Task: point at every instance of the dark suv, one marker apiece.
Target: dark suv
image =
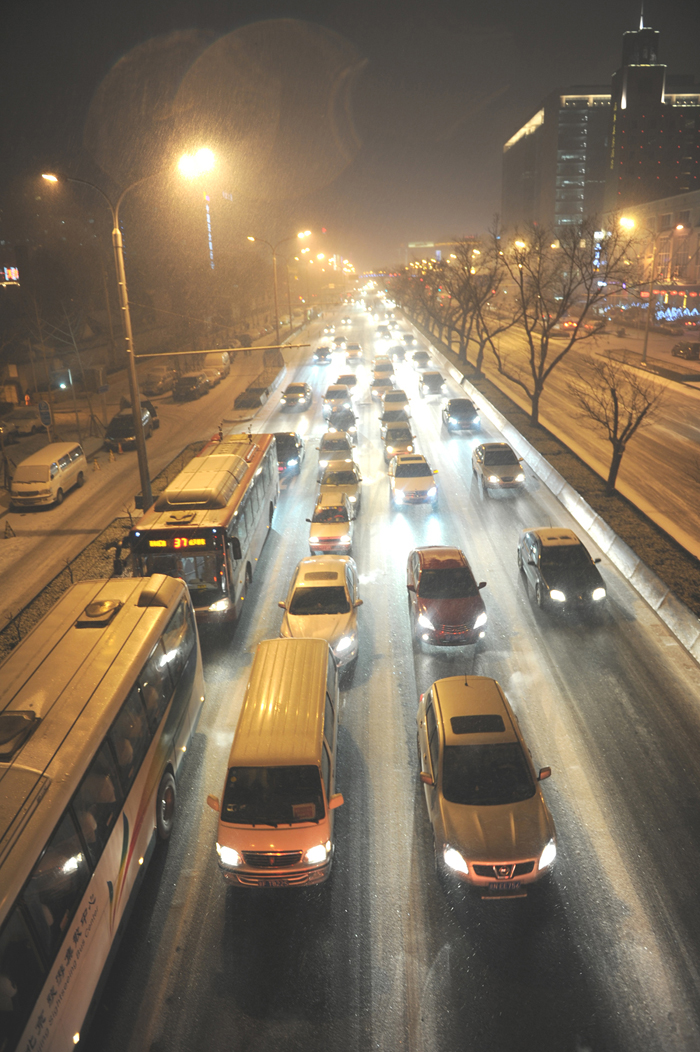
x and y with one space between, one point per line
121 432
686 350
190 386
459 414
290 451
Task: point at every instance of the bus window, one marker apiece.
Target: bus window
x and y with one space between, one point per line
97 803
21 978
178 638
56 886
156 687
130 738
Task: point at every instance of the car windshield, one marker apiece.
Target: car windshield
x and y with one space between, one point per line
333 514
295 389
461 408
349 381
399 435
381 382
273 796
343 419
339 478
203 574
571 557
121 425
412 471
334 445
455 583
336 392
330 599
486 774
31 473
493 457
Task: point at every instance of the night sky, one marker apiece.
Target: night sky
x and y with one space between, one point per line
383 121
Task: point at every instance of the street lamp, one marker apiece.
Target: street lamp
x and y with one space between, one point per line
273 249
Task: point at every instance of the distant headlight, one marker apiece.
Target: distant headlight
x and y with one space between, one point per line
345 539
352 430
599 593
316 854
347 405
228 855
557 596
494 478
291 463
548 855
481 620
323 463
390 449
398 496
352 499
283 401
425 622
343 645
432 492
520 477
409 449
222 604
454 860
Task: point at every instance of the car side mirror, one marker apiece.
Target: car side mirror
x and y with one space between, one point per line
596 560
358 602
411 587
545 772
308 520
426 779
335 801
281 603
532 562
481 584
213 802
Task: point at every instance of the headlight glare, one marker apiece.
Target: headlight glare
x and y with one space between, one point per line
548 855
599 593
425 622
432 492
228 855
520 477
316 854
481 620
557 596
454 860
494 478
343 644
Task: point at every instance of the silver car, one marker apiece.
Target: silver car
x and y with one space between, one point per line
322 603
340 477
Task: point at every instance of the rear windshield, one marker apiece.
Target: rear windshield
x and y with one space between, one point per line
392 416
500 456
327 600
339 478
382 381
188 381
457 583
286 444
273 796
412 471
334 514
486 774
395 396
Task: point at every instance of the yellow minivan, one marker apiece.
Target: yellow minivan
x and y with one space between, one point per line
44 477
276 812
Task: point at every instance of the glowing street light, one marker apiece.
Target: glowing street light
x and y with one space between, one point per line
627 223
192 165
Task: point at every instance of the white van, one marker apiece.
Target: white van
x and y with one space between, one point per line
46 476
276 814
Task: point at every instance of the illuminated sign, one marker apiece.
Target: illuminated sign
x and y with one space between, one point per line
179 542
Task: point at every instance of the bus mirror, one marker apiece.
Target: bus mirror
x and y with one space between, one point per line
335 801
236 548
213 802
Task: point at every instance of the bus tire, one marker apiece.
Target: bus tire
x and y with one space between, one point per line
165 806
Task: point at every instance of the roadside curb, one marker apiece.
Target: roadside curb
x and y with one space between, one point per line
681 621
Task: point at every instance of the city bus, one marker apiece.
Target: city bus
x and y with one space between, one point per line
97 707
210 524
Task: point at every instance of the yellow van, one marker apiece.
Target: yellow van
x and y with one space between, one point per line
44 477
276 813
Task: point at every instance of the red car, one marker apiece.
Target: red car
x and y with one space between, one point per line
444 600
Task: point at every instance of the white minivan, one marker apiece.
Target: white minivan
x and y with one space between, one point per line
45 477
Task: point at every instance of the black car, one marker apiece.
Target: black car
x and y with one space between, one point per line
690 351
431 383
560 570
343 420
397 352
409 339
296 396
323 355
190 386
121 433
420 359
290 451
459 414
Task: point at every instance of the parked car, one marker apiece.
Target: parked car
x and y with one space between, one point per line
460 414
290 451
47 475
498 466
444 599
213 375
121 432
9 432
691 351
560 570
157 379
491 826
23 420
322 603
190 386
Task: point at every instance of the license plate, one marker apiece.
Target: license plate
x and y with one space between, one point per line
505 885
273 883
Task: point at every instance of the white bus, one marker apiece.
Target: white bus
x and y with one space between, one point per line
97 707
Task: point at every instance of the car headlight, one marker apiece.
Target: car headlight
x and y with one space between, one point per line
398 496
432 492
283 401
548 855
352 431
222 604
316 854
520 477
345 539
352 499
599 593
390 449
343 644
557 596
228 855
425 621
346 405
454 860
291 463
494 478
477 420
481 620
323 463
409 449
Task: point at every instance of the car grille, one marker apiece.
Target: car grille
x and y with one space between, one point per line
26 493
454 631
271 859
514 869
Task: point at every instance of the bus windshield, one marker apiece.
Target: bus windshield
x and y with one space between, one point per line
202 573
273 796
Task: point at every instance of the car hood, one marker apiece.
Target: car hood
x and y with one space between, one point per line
581 580
500 833
502 469
451 611
329 529
331 627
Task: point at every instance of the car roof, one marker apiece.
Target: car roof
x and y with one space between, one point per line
497 447
337 388
410 458
335 435
472 696
331 499
552 537
461 401
431 372
441 557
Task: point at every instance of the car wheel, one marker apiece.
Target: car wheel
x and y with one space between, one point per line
80 481
59 497
539 595
520 560
149 431
165 806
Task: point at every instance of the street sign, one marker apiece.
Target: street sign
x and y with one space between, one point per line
45 413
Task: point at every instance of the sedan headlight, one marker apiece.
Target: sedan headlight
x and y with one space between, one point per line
557 596
283 401
425 621
347 405
520 477
345 539
352 499
409 449
398 496
323 463
494 478
293 462
228 855
548 855
390 449
599 593
316 854
222 604
454 860
432 492
343 644
481 620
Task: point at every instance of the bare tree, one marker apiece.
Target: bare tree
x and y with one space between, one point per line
620 399
560 282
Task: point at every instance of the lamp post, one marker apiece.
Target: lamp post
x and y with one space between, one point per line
273 249
649 307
